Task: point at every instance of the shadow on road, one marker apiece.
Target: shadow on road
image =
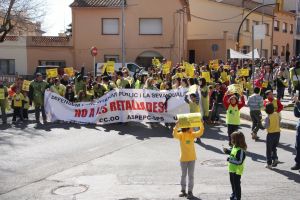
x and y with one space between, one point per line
139 130
290 175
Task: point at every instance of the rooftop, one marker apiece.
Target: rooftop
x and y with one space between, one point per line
97 3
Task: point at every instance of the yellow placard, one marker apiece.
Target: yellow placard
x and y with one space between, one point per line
69 71
189 120
224 76
226 67
110 67
167 67
51 73
155 62
25 86
2 93
206 75
244 72
235 88
190 70
265 84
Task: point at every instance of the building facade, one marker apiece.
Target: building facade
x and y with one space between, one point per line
152 29
283 37
216 29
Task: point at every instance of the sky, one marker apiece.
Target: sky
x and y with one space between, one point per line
58 17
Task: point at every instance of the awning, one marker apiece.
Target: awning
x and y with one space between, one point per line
239 55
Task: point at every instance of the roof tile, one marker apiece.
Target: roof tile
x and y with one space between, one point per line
97 3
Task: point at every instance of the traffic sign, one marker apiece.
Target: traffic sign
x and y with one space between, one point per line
94 51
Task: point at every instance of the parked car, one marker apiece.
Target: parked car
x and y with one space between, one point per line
132 67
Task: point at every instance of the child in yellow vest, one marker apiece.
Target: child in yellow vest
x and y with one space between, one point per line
17 105
26 102
187 156
272 124
236 163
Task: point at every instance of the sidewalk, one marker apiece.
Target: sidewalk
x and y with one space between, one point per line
288 120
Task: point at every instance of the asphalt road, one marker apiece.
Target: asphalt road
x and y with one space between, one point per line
132 161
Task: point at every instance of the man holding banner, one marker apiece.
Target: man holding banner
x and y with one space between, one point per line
36 95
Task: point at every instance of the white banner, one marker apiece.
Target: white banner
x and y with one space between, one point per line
122 105
238 55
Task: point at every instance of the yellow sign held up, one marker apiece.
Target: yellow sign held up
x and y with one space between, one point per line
110 67
167 67
244 72
189 69
226 67
235 88
69 71
206 75
51 73
25 86
156 62
189 120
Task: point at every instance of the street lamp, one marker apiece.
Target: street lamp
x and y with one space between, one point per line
251 11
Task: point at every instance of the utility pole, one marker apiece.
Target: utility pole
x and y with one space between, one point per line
123 34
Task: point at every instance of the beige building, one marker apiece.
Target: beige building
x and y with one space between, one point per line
152 29
213 29
283 37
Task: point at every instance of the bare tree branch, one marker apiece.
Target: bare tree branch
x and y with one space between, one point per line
16 15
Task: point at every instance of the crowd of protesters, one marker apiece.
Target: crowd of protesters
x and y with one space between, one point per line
257 86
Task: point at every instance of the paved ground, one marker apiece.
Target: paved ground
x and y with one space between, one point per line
133 162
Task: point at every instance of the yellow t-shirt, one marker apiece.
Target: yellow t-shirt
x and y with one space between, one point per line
187 148
18 98
194 107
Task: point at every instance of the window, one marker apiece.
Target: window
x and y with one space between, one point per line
114 58
275 50
246 25
110 26
246 49
7 67
151 26
264 53
255 22
282 50
291 28
284 27
60 63
276 25
267 29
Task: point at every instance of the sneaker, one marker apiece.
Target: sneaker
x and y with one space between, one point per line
275 163
268 166
190 195
295 167
183 193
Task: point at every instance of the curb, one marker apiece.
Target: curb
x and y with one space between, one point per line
285 125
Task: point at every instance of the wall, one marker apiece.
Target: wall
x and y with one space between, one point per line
15 50
87 31
49 53
211 30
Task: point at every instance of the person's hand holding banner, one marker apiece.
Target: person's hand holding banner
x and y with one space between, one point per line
189 120
51 73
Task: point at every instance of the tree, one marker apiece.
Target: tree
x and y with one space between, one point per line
69 30
17 14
